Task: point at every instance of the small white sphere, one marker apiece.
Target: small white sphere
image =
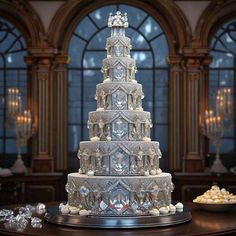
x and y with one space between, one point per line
179 205
74 210
172 208
90 173
96 138
100 109
154 212
65 210
153 172
163 210
84 212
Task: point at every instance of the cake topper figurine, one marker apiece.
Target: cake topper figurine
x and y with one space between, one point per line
118 20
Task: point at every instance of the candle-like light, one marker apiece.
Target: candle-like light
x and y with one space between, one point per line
224 102
13 101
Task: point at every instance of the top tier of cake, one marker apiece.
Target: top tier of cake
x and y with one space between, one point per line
118 66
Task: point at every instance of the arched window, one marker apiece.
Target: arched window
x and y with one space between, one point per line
12 74
87 50
223 74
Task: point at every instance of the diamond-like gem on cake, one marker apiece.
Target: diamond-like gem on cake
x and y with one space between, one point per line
119 199
103 205
134 205
119 73
118 50
84 191
119 128
119 163
119 100
147 204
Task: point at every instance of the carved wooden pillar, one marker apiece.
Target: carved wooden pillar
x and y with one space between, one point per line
60 109
176 109
40 67
195 79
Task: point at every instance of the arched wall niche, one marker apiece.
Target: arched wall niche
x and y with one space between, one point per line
217 13
214 16
168 14
39 60
23 16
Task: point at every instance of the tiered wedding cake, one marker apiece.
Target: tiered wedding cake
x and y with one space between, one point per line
119 167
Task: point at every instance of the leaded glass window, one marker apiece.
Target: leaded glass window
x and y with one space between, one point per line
87 50
223 74
12 74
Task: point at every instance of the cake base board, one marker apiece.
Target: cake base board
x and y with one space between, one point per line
91 221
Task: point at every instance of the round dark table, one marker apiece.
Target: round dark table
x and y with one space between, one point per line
202 223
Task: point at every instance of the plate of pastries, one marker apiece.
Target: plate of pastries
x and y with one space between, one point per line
216 199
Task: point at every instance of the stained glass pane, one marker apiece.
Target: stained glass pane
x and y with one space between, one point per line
12 74
222 74
145 77
98 15
1 126
93 60
143 59
137 39
99 40
135 15
221 60
76 45
150 28
161 135
160 48
74 137
91 77
86 28
1 145
227 146
10 145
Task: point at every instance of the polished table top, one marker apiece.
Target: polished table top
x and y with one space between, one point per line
202 223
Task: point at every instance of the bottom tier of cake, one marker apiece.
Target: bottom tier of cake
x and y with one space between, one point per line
119 195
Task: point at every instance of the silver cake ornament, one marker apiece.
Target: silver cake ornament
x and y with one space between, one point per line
118 20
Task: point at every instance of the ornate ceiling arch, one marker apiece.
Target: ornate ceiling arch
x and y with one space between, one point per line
167 13
214 16
22 15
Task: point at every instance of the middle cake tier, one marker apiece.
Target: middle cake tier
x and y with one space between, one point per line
119 158
119 125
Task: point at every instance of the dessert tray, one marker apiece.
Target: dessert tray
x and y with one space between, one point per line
216 207
53 215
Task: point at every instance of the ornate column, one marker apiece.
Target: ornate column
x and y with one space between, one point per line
60 111
40 63
195 59
176 121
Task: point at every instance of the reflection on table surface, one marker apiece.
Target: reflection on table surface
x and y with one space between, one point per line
203 223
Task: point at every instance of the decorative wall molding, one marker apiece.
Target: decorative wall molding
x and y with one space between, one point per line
176 140
60 109
214 15
195 61
41 71
26 19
